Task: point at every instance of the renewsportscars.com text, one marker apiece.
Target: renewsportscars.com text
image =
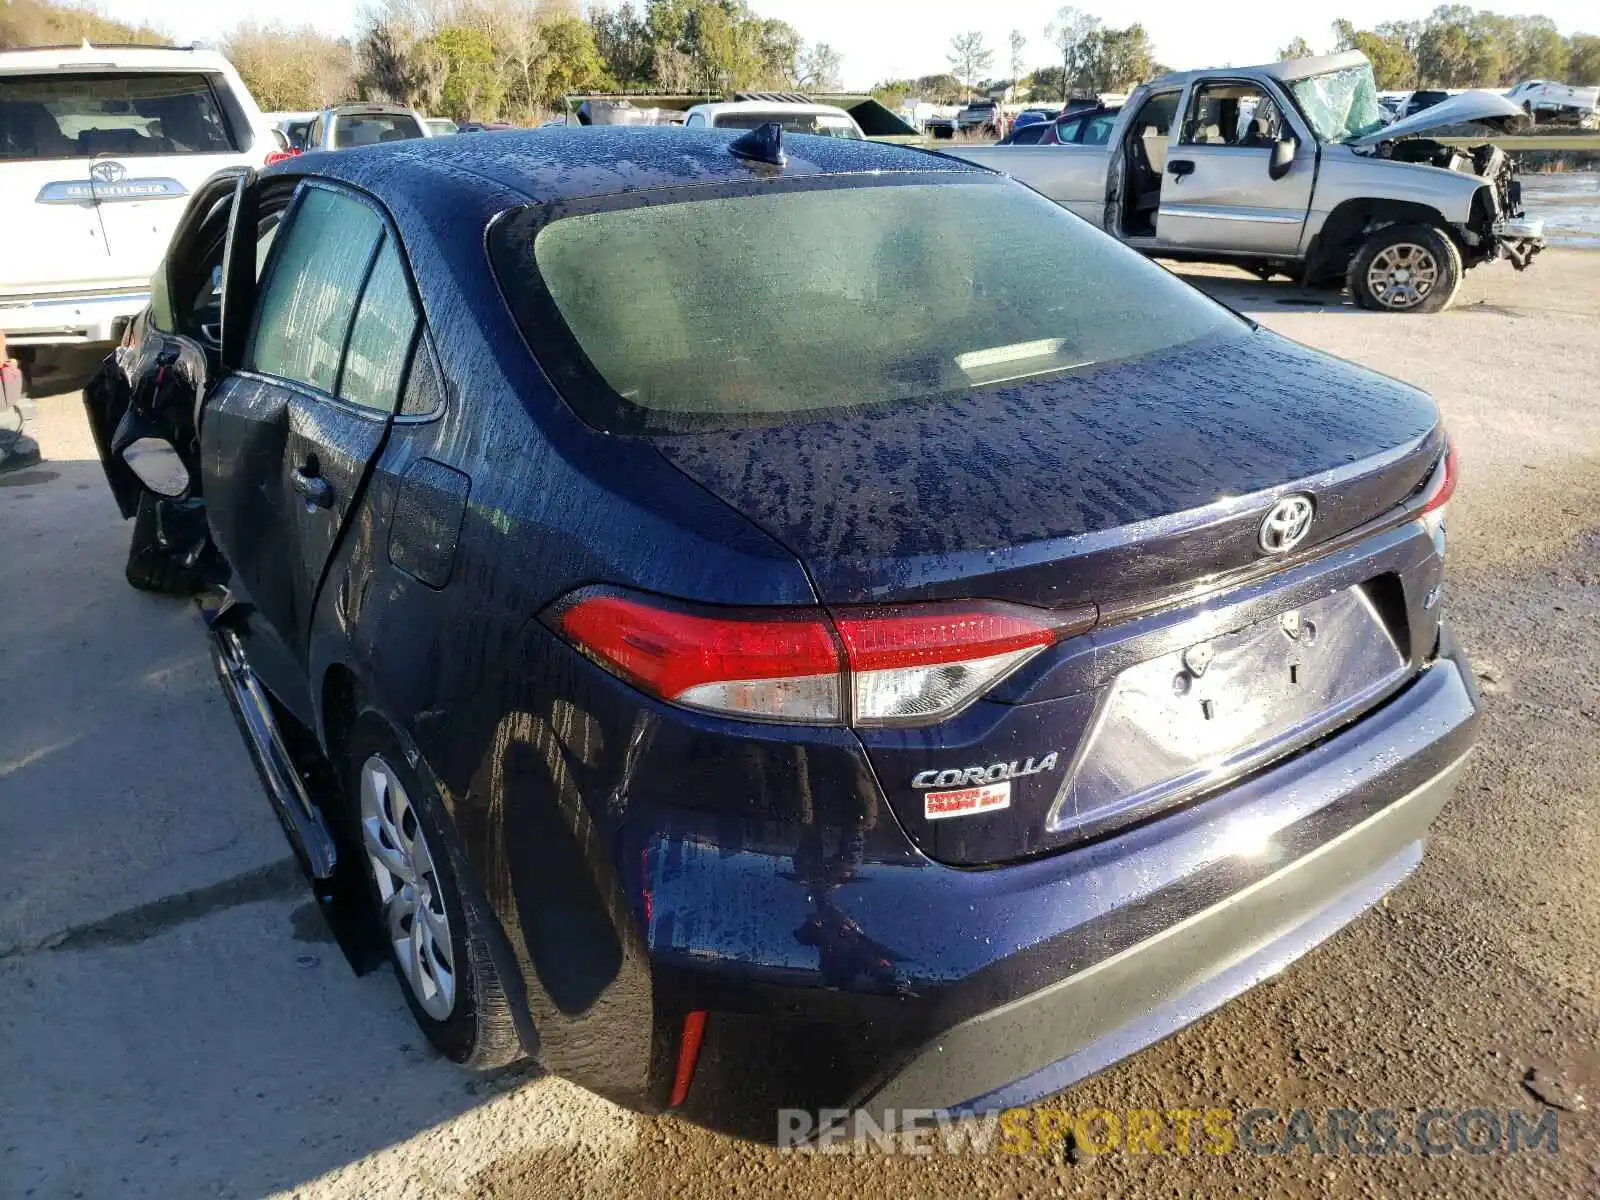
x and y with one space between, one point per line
1427 1133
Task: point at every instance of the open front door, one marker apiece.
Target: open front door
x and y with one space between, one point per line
149 387
1218 190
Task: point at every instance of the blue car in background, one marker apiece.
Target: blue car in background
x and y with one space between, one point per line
757 621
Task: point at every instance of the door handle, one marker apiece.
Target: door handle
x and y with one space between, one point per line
1179 167
311 487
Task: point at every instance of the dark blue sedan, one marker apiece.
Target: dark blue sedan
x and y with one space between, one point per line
783 622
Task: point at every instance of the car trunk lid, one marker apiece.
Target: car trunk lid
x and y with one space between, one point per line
1094 486
1129 487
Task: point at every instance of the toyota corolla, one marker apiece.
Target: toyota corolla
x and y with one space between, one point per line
765 620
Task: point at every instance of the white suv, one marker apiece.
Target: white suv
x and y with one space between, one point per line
99 150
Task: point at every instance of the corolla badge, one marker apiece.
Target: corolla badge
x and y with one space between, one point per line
1286 524
108 172
994 773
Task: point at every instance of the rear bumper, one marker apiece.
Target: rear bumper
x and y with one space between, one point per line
1155 988
66 320
902 984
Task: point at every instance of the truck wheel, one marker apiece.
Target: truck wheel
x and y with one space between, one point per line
435 937
1406 268
151 566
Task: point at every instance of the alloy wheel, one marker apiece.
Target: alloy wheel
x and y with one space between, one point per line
1402 275
414 915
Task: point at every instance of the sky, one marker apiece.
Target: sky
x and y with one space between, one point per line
880 40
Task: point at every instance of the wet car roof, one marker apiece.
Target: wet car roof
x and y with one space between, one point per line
546 165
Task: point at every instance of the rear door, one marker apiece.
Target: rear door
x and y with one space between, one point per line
1217 193
288 440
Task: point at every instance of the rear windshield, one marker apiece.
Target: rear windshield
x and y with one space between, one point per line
826 124
80 116
368 129
794 303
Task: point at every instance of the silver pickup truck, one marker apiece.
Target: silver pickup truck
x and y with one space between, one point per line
1290 168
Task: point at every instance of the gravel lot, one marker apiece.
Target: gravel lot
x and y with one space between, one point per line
174 1020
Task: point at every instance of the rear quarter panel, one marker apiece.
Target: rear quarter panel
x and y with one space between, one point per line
459 665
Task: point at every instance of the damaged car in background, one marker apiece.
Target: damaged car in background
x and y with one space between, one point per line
1291 168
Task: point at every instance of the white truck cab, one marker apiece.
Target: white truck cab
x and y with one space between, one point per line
100 147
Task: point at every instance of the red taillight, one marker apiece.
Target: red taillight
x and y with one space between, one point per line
781 665
1443 484
891 665
278 156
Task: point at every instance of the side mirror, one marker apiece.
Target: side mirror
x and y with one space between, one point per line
1282 157
281 139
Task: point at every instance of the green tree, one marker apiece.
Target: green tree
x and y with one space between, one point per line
390 65
1392 64
1538 51
892 93
571 62
622 39
1459 48
940 89
1583 66
1117 60
1299 48
472 86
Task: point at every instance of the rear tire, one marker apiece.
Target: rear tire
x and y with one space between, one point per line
1412 268
437 938
151 566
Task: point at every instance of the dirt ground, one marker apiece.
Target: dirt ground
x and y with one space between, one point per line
174 1020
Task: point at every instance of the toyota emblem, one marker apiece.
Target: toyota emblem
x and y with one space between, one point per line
108 172
1286 524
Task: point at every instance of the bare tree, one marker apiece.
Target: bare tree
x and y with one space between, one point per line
291 70
1072 34
818 68
969 58
1019 43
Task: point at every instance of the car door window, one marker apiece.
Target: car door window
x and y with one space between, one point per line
1029 135
1067 130
1097 129
381 337
317 268
1231 114
695 119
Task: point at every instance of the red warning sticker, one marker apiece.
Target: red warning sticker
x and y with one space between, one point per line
963 802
